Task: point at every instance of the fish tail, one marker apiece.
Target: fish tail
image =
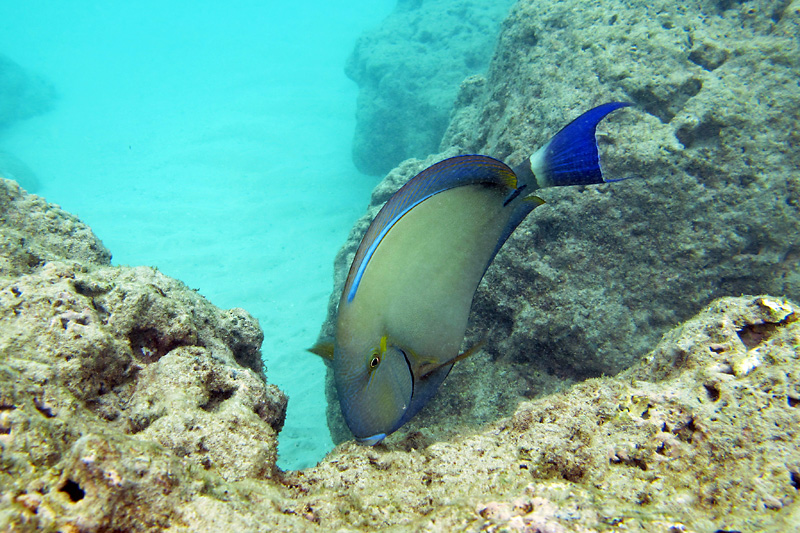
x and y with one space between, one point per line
570 157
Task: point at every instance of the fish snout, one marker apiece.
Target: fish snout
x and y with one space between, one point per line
375 397
371 441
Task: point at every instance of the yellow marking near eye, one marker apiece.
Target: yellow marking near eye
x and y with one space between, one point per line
383 344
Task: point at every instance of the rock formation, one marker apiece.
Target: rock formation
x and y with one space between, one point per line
22 95
408 70
130 403
116 382
592 279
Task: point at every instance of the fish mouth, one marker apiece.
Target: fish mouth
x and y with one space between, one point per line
371 441
410 373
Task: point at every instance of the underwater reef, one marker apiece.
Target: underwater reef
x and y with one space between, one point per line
110 375
130 403
625 383
590 281
408 70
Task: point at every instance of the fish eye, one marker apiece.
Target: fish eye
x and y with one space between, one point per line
375 361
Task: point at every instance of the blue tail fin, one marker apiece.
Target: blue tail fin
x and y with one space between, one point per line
570 158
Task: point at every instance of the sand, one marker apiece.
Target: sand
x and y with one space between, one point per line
212 142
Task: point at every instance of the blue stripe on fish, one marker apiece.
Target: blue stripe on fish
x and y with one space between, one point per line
374 246
448 174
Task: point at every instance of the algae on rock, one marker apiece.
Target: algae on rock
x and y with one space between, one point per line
34 232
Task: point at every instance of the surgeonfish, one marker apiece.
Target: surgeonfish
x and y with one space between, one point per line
404 308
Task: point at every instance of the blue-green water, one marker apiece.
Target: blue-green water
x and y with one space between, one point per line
211 140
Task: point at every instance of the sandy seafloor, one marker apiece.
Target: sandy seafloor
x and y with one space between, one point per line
211 140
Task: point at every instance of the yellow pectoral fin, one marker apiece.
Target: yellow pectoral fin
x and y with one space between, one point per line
473 349
429 366
323 349
426 368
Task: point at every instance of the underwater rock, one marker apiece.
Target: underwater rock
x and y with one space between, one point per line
33 232
130 403
149 358
679 442
591 280
12 168
24 94
117 384
408 70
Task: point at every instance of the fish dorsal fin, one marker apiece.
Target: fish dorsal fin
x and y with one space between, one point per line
448 174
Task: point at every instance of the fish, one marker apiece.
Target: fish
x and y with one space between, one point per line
403 311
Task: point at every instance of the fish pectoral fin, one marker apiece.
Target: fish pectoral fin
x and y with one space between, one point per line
426 368
469 351
429 366
323 349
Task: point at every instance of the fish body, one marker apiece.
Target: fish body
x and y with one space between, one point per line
404 308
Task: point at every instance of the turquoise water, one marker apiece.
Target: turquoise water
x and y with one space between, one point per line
213 141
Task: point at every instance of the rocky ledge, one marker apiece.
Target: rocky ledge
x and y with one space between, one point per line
130 403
